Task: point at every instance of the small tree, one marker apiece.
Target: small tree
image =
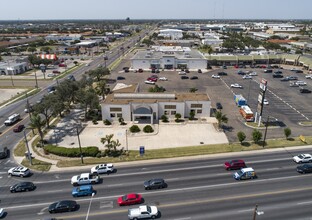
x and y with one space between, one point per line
110 144
221 118
178 117
256 135
107 122
121 121
241 136
164 118
76 63
287 132
192 90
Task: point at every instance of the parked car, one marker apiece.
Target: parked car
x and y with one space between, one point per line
130 199
152 79
154 184
86 190
305 91
234 164
299 71
277 75
301 83
187 70
103 168
22 187
215 76
194 77
222 73
19 171
51 74
236 85
309 76
219 106
293 85
268 71
302 158
63 206
120 78
247 77
292 77
184 77
224 67
163 79
18 128
278 72
305 168
62 65
199 71
4 152
182 73
253 74
56 71
149 82
240 72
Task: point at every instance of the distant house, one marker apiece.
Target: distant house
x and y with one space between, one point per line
13 68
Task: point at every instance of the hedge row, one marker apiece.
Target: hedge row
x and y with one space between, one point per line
72 152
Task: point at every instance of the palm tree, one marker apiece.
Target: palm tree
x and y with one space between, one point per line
37 123
109 143
221 118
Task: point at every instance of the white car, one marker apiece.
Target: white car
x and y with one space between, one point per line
253 74
265 102
103 168
163 79
1 212
300 83
149 82
247 77
19 171
215 76
303 158
236 85
143 212
309 76
182 73
51 75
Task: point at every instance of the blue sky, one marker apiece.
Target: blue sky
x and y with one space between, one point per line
158 9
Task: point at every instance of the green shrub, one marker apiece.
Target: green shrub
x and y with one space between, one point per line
107 122
164 118
148 129
72 152
135 129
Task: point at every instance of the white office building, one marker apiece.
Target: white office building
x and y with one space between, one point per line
130 105
173 34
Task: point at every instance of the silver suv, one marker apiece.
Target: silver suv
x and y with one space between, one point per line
19 171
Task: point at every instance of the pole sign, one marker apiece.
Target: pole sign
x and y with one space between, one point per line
142 150
263 84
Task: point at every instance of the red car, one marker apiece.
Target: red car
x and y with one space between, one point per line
234 164
152 79
18 128
130 199
56 71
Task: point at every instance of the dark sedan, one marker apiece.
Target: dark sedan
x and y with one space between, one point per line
63 206
305 168
22 187
18 128
4 153
155 184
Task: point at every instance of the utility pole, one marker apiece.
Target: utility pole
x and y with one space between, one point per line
81 156
255 212
127 140
265 132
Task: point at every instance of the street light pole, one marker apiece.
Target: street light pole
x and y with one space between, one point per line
265 132
81 156
127 140
29 154
89 206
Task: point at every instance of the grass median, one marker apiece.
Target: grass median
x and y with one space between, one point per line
187 151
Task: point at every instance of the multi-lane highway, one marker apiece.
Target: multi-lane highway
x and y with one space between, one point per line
197 190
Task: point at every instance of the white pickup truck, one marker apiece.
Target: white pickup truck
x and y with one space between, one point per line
143 212
85 178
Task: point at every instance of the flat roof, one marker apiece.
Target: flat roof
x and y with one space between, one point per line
152 55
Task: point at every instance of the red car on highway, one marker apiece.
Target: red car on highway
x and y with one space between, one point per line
234 164
130 199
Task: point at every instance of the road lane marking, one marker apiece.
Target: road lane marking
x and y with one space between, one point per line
197 202
303 203
52 191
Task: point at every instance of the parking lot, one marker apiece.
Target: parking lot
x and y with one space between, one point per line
286 104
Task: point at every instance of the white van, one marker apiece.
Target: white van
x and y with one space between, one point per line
245 173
